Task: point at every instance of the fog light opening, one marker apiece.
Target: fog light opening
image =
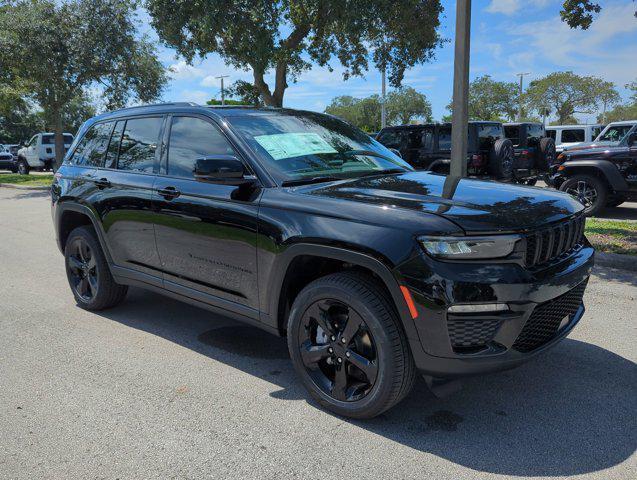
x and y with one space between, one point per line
479 308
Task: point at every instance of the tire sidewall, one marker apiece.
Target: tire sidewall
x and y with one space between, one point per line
386 364
598 185
96 250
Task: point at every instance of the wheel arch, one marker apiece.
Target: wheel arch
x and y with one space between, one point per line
602 169
71 215
285 284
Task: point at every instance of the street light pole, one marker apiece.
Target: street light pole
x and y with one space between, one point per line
460 106
383 111
521 75
223 95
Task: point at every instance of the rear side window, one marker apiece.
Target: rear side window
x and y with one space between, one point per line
91 149
595 132
47 140
139 144
573 135
551 134
190 139
113 146
488 134
444 138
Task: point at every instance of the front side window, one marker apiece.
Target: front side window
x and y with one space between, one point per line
90 151
595 132
551 134
390 138
300 145
444 138
190 139
614 133
573 135
139 144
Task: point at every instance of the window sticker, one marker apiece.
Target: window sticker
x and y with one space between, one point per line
288 145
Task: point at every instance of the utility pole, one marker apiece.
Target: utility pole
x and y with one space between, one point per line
223 95
460 106
383 111
521 75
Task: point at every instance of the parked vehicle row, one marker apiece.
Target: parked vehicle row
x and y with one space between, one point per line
39 153
302 225
566 136
7 160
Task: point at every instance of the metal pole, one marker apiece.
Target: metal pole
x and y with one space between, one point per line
223 96
460 107
383 111
521 75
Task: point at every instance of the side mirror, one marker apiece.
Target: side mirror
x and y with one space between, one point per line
221 169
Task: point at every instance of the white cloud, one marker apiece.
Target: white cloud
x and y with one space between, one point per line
509 7
183 71
197 96
210 81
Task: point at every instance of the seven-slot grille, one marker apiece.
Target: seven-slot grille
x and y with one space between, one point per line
546 318
547 244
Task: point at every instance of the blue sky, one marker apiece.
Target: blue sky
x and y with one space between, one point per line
508 36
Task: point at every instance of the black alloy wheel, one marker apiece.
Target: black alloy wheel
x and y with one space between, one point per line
83 270
338 350
588 190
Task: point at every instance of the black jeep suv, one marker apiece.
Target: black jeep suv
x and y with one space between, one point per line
600 175
304 226
428 147
534 152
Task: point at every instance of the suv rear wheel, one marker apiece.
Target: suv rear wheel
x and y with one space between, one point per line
90 279
589 190
23 167
347 346
501 158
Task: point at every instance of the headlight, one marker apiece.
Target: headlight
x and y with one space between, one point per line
469 248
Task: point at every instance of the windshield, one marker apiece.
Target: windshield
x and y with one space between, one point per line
298 145
614 133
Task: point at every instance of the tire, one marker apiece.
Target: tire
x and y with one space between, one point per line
547 155
87 271
379 341
589 190
501 158
23 167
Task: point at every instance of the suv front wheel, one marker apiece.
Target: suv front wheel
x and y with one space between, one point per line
90 279
347 346
589 190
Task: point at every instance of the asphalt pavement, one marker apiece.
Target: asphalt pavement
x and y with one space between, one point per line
158 389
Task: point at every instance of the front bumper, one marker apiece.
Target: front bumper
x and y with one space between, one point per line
452 345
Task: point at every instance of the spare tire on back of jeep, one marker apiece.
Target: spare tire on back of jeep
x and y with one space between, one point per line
546 156
501 158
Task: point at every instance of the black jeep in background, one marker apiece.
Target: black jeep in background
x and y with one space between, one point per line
534 150
299 224
599 176
428 147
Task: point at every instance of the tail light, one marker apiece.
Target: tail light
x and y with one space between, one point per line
477 160
525 155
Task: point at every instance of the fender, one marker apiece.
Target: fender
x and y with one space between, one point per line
442 162
284 260
62 207
612 175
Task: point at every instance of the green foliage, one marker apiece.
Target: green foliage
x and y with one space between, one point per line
288 35
59 49
491 100
579 13
228 101
565 94
247 93
403 106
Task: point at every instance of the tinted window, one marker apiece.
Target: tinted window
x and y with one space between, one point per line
113 146
573 135
535 131
444 138
551 133
90 151
139 144
390 138
512 132
190 139
615 133
595 132
426 139
488 134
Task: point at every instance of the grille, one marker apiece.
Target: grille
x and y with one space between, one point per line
550 243
471 334
545 320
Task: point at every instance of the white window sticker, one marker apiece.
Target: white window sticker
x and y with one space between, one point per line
288 145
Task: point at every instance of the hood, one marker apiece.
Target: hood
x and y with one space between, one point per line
599 150
590 145
474 205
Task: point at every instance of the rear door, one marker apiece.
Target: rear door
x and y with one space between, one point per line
206 232
125 183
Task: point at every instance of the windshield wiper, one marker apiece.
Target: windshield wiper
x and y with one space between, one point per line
306 181
369 153
387 171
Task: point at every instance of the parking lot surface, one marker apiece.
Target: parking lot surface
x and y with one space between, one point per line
158 389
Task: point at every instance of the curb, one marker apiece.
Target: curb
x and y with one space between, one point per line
24 187
616 260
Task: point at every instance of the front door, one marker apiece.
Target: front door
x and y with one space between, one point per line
206 233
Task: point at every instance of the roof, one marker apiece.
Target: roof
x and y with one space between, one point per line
515 124
442 124
576 125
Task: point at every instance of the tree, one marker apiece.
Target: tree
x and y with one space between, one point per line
406 104
363 113
286 36
492 100
580 13
61 48
566 94
246 92
623 112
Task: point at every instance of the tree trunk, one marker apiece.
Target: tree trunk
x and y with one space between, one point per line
59 139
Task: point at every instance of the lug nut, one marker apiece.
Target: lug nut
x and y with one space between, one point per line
347 354
339 360
343 340
332 338
330 350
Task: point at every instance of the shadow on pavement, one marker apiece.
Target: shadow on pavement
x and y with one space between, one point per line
617 275
627 211
568 412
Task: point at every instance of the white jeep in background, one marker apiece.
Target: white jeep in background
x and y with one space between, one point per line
566 136
39 153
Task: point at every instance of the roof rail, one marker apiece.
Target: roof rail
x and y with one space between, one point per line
166 104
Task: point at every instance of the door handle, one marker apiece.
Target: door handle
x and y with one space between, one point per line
168 192
102 183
